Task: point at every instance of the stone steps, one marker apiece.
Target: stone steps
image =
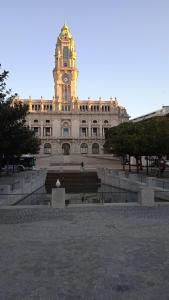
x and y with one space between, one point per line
73 182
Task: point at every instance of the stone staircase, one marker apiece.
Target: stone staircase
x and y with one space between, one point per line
73 182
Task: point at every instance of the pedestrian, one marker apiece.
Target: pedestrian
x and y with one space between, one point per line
82 166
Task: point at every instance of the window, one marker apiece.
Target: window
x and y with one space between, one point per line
47 131
84 148
65 107
83 131
94 132
106 122
94 121
105 130
47 148
83 121
65 53
47 121
35 121
65 131
36 107
36 131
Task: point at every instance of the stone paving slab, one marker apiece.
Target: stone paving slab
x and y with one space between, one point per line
98 253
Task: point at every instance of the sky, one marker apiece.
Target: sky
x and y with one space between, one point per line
122 49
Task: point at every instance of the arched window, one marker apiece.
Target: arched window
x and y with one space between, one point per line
95 121
83 148
47 148
95 148
106 122
65 53
65 129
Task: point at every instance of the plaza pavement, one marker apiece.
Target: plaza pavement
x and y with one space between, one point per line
89 253
72 162
97 253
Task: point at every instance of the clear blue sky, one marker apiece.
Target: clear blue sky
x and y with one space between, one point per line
122 48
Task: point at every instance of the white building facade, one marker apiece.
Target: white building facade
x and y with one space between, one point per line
164 111
66 124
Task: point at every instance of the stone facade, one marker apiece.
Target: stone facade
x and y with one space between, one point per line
67 124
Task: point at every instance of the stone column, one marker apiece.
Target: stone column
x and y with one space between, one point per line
146 196
58 197
89 129
41 129
101 129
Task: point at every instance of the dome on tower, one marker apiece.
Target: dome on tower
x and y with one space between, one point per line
65 32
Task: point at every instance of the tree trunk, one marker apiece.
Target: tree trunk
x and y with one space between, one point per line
137 164
141 165
123 163
129 163
147 161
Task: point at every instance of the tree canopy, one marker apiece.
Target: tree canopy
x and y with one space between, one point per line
15 138
146 138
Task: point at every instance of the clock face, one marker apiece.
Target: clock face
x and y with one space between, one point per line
66 78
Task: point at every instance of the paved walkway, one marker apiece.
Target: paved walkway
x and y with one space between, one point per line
98 253
72 162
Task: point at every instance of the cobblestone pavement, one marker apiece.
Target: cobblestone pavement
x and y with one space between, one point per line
100 253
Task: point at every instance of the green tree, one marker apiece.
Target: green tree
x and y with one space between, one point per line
147 138
15 137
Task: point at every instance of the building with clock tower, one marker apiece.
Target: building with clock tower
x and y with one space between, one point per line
66 124
65 72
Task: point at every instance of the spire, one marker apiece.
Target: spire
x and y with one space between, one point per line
65 32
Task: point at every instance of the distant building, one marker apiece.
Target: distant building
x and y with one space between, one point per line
67 124
164 111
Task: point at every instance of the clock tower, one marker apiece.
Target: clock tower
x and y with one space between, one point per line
65 72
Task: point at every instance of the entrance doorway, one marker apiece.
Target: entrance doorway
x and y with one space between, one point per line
95 148
66 149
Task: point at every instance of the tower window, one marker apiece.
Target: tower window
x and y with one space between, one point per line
65 53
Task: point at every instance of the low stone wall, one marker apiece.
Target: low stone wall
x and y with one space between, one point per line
15 188
147 187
